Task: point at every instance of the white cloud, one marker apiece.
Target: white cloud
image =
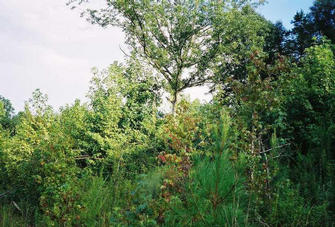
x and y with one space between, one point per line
44 44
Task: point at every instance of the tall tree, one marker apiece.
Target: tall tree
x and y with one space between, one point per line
7 114
179 39
243 33
310 28
323 15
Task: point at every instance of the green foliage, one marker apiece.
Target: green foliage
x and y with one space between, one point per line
118 125
180 131
310 28
2 109
9 217
261 153
289 208
185 41
213 194
6 114
310 109
311 93
242 32
38 162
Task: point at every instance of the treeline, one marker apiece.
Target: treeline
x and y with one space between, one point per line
260 153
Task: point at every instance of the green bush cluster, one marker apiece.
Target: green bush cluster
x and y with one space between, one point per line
117 161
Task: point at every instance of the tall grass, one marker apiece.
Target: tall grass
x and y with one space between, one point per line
11 217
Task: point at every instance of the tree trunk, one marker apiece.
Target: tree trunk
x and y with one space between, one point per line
174 102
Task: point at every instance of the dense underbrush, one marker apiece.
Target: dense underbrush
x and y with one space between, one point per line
261 156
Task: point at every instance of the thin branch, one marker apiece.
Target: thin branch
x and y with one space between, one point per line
5 193
284 145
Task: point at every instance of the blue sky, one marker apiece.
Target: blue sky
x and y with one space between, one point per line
43 44
284 10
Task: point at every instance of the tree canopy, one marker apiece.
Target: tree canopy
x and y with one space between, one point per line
185 40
